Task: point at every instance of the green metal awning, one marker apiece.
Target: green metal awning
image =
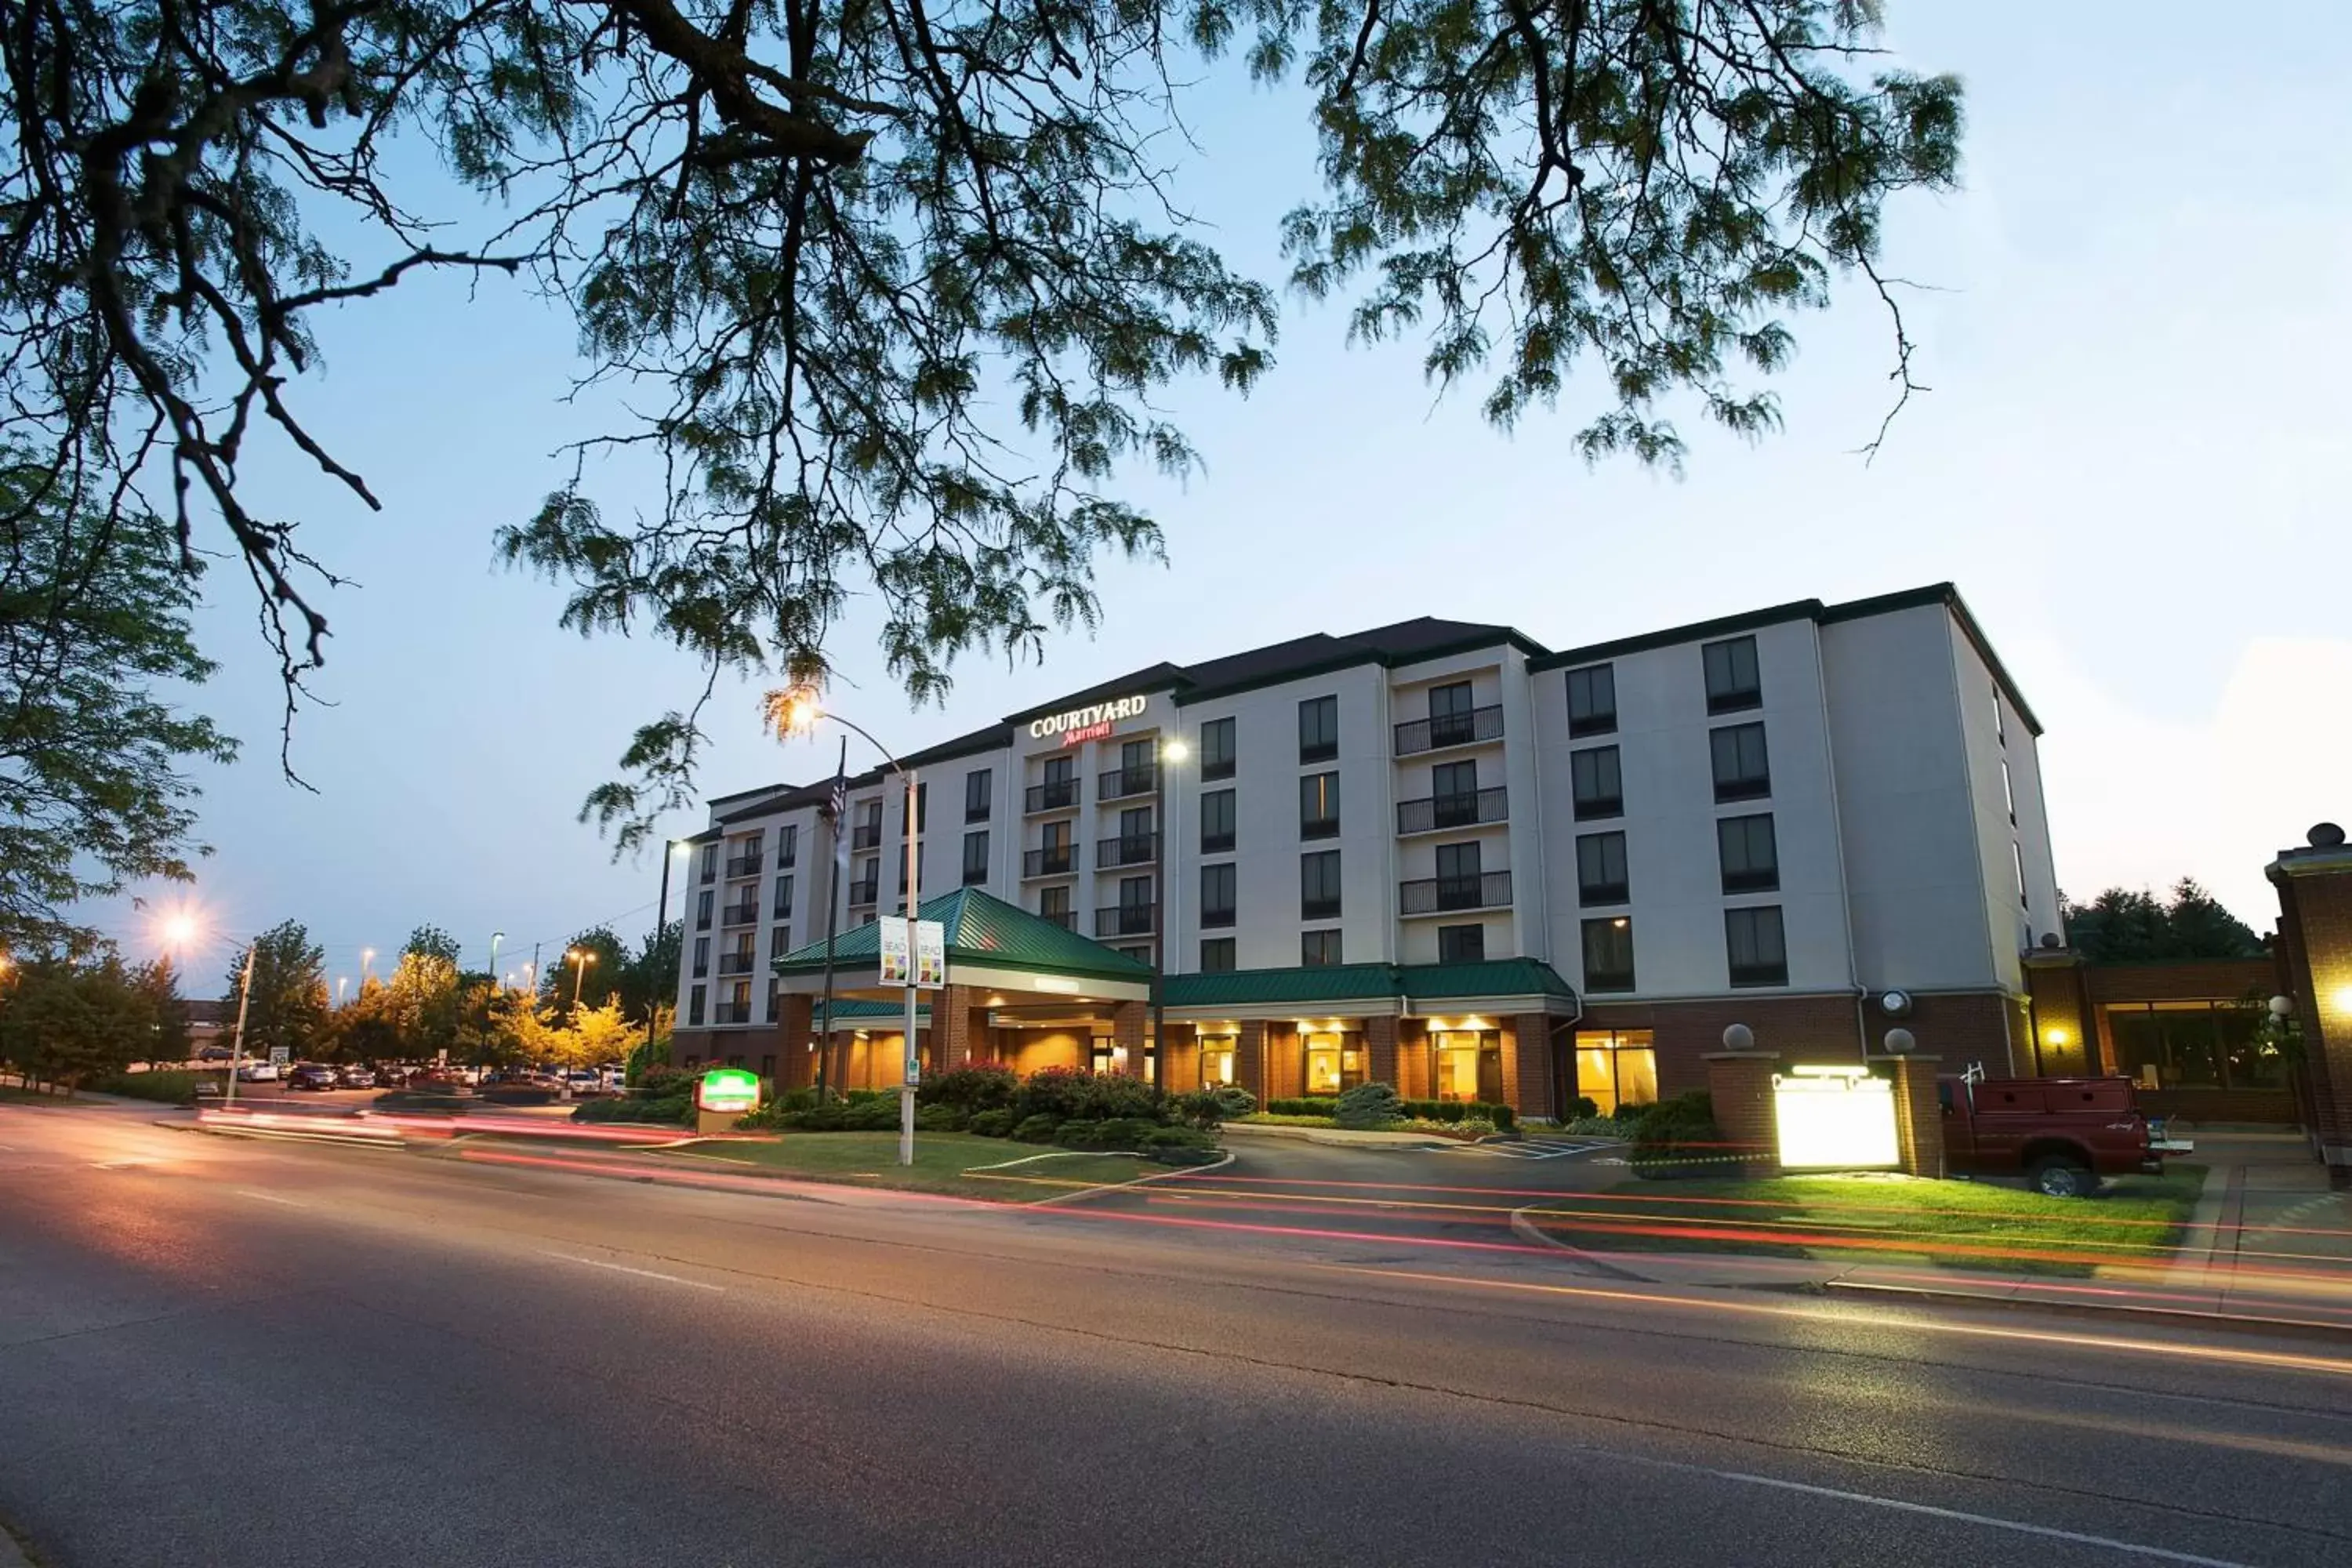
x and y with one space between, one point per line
984 933
1387 984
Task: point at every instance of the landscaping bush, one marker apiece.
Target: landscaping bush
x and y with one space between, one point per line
1234 1101
1501 1116
1313 1106
1677 1135
1176 1138
993 1123
648 1056
1581 1107
671 1111
1601 1126
1077 1134
1369 1105
940 1119
1035 1129
170 1088
1068 1094
987 1086
1202 1108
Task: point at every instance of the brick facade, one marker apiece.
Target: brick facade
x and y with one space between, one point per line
1740 1083
1380 1064
1918 1117
2315 887
1526 1065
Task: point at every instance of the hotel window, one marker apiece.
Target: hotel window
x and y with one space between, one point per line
1318 728
1608 953
1142 952
779 941
788 845
1216 956
1217 748
1742 772
1134 840
2194 1045
2008 792
1594 780
1732 682
1216 821
1318 886
1600 869
1469 1064
1217 895
922 807
693 1010
702 905
710 862
2017 858
1759 951
701 956
978 786
783 898
1134 904
1318 948
869 825
1335 1062
1461 944
1454 795
975 857
1452 718
1053 905
1319 805
922 857
1749 854
1217 1061
1616 1069
1593 700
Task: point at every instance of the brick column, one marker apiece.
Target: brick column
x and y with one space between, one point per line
1412 1061
1527 1065
951 1028
1130 1022
1918 1117
1381 1049
1249 1059
796 1030
2315 888
1740 1083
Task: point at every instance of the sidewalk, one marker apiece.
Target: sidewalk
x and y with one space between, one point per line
1341 1135
2268 1245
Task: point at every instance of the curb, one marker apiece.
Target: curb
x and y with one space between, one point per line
2299 1328
12 1550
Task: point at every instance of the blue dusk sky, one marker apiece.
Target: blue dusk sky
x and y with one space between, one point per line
2133 463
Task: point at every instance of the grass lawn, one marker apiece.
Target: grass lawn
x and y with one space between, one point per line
1863 1218
16 1094
944 1163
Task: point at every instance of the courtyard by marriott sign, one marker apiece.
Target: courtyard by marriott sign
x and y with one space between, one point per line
1091 722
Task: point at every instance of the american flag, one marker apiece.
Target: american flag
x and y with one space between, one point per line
837 807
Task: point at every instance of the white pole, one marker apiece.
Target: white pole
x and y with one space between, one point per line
913 1063
236 1044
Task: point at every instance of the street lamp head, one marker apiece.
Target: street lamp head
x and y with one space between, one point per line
179 928
681 848
1174 749
791 712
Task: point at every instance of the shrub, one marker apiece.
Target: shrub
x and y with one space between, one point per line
1053 1091
1176 1138
1675 1133
940 1119
1369 1105
170 1088
1457 1110
646 1056
1235 1101
877 1112
985 1087
1581 1107
1202 1108
993 1123
661 1081
673 1110
1601 1126
1315 1107
1035 1129
1078 1134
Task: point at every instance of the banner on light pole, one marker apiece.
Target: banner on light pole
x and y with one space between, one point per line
898 954
930 955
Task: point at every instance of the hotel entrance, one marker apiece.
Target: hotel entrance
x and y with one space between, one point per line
1335 1062
1469 1065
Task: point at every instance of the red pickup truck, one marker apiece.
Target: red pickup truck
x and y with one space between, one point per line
2061 1133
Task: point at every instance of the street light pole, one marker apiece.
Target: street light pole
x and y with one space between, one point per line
1171 750
496 937
913 1066
236 1045
661 924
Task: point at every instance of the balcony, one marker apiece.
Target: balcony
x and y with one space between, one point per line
1444 895
1130 849
1126 919
731 1013
1318 909
1216 917
1591 894
864 891
865 835
743 914
750 865
787 851
1119 784
1053 861
1053 795
1465 808
1440 730
1067 919
1216 843
1320 827
737 963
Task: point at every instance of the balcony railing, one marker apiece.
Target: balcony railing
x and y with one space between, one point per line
1123 920
1593 893
1433 895
787 851
1053 795
1216 843
1067 919
1118 784
750 865
1465 808
1053 861
737 963
1320 827
731 1013
866 891
865 835
1127 849
1442 730
745 914
1217 916
1318 909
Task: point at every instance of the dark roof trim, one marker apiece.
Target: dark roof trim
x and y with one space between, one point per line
1354 657
1698 631
1161 676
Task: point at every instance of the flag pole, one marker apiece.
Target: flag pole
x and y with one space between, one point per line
838 807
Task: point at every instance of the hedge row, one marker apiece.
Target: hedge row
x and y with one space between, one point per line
1417 1110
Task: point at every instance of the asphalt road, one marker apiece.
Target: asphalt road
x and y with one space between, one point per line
217 1352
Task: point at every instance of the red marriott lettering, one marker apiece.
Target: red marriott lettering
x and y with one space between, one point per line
1091 722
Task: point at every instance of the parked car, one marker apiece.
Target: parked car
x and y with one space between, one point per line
312 1075
392 1075
2062 1134
258 1072
215 1054
355 1077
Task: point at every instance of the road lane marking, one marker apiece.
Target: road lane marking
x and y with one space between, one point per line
271 1198
641 1273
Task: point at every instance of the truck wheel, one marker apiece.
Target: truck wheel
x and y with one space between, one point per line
2062 1176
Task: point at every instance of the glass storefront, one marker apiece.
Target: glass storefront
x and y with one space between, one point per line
2193 1045
1335 1062
1216 1061
1616 1069
1469 1065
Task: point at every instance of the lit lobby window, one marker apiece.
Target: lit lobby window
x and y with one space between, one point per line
1616 1069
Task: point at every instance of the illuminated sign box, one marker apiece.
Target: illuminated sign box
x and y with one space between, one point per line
725 1090
1836 1118
1091 722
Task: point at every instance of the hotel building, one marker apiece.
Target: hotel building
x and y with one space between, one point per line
1437 854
